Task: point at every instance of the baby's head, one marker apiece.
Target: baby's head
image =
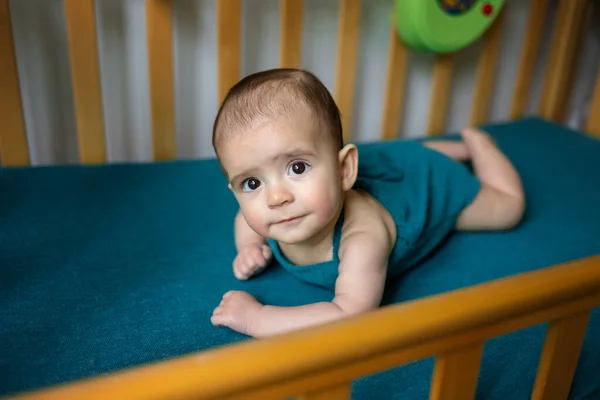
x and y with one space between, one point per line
278 137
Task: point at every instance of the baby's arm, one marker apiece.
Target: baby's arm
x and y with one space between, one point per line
359 288
253 252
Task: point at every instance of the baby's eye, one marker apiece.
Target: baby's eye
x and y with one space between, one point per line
298 168
250 184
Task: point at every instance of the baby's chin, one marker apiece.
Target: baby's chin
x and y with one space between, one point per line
291 239
294 236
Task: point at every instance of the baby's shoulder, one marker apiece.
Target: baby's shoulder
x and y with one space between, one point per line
364 215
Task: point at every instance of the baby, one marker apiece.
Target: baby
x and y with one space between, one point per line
333 218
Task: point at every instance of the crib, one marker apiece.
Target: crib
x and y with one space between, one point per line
507 315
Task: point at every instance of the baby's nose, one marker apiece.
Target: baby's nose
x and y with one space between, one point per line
279 195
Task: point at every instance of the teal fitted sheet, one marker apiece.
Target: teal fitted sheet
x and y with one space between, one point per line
110 267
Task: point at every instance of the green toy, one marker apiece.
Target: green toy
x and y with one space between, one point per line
444 26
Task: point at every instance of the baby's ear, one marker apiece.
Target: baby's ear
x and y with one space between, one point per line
230 187
348 159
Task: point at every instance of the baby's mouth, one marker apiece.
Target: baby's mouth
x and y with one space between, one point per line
288 220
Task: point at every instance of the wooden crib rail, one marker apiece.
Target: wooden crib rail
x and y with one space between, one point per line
321 362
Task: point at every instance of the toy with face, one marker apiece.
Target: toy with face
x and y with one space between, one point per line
457 6
449 3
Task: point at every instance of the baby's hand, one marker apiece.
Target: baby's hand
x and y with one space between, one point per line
238 310
251 260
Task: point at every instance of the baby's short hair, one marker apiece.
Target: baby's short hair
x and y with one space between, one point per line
276 92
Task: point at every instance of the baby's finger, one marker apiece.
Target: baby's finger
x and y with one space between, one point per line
242 275
253 252
248 259
246 262
218 320
266 251
259 259
238 271
254 261
238 261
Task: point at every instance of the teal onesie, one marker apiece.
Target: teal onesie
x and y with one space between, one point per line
422 189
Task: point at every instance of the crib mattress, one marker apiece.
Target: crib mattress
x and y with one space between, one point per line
109 267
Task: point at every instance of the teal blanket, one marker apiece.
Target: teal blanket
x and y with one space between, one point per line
109 267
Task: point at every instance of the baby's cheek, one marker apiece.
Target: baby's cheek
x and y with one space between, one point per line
326 202
256 221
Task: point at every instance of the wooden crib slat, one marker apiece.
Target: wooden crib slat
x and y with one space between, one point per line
486 72
562 60
291 33
14 150
455 374
528 58
339 392
440 93
159 31
85 71
395 86
560 354
229 30
345 75
593 122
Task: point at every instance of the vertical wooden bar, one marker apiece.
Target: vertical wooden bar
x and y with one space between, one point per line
528 58
593 121
562 60
394 89
14 149
455 374
345 75
341 392
159 31
560 354
85 71
229 28
486 71
291 33
438 105
582 33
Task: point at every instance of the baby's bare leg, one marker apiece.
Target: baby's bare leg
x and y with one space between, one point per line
455 150
501 203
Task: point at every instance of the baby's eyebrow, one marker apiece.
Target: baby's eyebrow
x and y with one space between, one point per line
235 180
295 153
288 155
